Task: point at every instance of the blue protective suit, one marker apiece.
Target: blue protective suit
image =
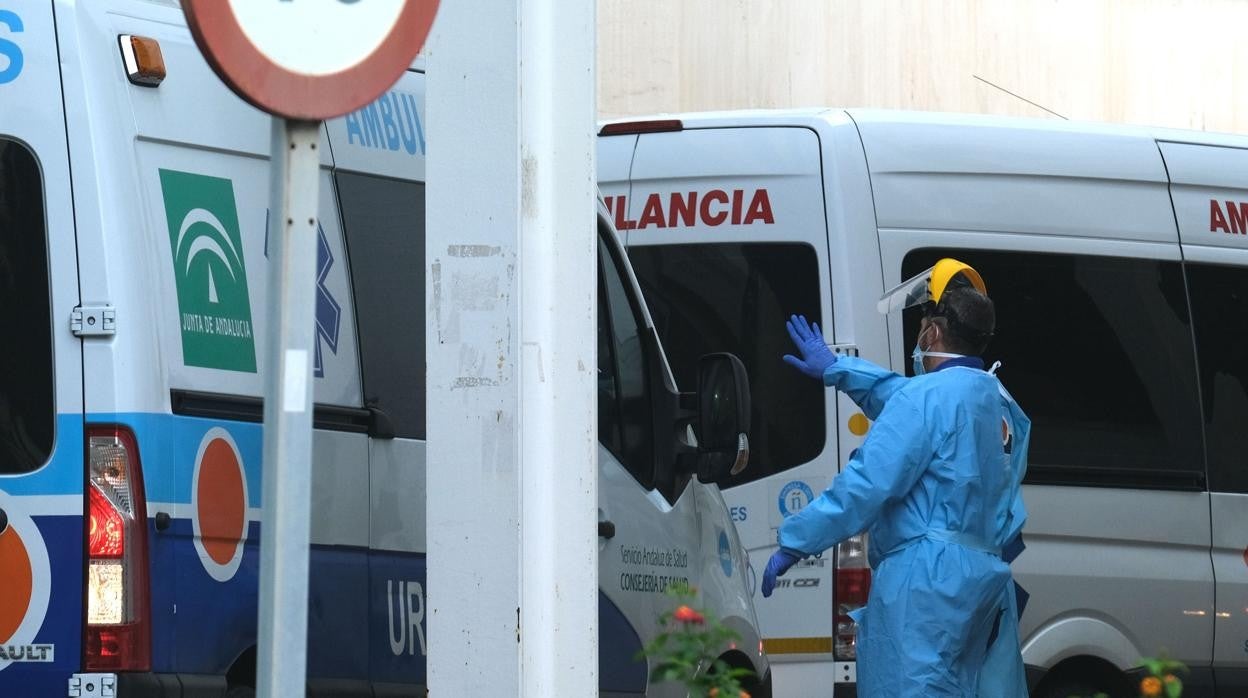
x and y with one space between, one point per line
937 485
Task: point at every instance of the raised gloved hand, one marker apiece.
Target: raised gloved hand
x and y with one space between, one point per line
780 562
816 356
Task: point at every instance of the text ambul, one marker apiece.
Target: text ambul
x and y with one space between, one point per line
687 209
1234 220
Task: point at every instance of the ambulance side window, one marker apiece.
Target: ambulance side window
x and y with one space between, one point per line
733 297
1098 352
625 418
384 222
27 383
1219 296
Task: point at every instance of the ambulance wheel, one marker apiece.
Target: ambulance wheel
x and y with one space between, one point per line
1072 687
1084 676
240 692
1065 685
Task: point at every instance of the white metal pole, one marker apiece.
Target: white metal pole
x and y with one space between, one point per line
511 244
282 647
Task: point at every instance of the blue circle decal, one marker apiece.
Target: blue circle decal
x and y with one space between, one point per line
725 554
794 497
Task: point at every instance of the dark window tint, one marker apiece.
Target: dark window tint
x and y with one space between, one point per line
1098 352
384 220
27 385
1220 313
625 417
735 298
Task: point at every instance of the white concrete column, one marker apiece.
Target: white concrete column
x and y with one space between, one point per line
511 249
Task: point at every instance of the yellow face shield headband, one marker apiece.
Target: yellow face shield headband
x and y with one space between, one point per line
929 286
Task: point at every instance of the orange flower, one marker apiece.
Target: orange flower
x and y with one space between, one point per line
684 614
1170 678
1150 687
714 692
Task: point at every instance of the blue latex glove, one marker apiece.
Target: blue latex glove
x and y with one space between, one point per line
816 356
780 562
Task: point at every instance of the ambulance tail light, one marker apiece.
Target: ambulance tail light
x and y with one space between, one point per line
118 619
649 126
853 585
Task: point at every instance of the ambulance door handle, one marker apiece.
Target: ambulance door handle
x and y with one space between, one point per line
379 424
4 522
606 529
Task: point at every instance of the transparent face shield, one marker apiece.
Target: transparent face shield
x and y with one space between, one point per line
935 281
909 293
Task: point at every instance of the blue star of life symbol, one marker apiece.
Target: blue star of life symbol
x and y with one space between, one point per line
328 312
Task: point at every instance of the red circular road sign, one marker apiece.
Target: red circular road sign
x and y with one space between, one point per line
310 59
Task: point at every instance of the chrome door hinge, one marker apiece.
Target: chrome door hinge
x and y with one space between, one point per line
93 321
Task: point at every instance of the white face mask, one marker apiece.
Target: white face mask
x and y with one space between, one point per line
919 354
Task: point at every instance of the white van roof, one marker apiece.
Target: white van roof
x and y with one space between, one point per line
985 123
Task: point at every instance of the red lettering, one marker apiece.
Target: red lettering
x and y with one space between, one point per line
760 209
1239 217
621 206
707 217
684 209
653 213
737 196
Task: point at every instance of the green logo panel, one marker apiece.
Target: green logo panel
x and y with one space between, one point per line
213 305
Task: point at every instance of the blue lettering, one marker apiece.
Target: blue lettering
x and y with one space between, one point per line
739 514
391 123
420 131
372 127
408 121
387 120
353 129
9 49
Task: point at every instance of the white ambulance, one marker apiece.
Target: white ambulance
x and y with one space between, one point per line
1118 262
133 214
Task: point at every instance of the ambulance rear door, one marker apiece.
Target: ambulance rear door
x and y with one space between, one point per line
41 423
727 234
1209 188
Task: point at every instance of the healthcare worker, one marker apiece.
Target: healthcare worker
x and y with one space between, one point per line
937 484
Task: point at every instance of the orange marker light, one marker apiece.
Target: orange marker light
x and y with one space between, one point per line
145 64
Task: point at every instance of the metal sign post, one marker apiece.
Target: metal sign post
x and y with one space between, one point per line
281 663
303 62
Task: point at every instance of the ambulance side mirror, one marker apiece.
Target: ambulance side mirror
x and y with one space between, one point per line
723 417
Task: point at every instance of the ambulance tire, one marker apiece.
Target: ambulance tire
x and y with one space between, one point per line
1065 689
1084 685
240 692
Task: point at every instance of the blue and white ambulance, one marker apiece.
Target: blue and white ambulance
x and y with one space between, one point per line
133 214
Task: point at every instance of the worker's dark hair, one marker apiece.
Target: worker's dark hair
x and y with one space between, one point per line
969 318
